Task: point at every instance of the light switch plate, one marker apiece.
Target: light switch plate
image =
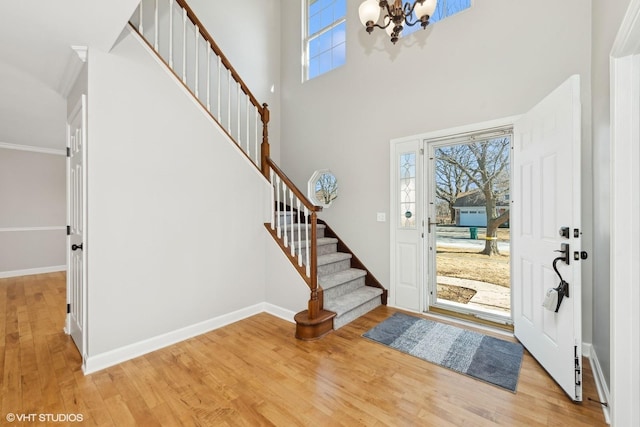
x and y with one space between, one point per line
381 217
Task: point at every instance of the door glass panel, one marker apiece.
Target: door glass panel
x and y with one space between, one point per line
470 226
407 190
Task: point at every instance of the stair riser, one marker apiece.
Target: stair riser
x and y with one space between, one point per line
347 317
333 267
319 232
323 249
343 289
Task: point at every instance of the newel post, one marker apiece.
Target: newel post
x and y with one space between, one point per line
315 303
264 147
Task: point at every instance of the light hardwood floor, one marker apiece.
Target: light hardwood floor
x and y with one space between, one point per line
254 372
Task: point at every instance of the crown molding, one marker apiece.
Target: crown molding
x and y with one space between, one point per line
77 58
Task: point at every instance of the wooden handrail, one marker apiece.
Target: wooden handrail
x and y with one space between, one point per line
305 201
205 34
261 109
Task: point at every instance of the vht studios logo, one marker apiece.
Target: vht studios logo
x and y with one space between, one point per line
44 418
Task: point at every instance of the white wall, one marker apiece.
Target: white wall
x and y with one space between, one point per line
175 210
254 52
287 293
605 27
32 211
495 60
33 114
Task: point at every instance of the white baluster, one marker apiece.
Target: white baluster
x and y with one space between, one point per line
219 87
238 115
279 223
299 234
155 20
293 249
258 157
273 201
284 201
208 76
197 74
140 26
171 34
247 134
184 45
229 101
306 228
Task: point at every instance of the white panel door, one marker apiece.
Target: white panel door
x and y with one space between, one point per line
76 268
406 225
546 189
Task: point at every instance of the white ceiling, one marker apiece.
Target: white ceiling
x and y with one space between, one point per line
35 51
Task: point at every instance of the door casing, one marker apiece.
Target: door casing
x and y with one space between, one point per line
418 142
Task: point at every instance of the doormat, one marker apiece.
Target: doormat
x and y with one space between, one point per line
480 356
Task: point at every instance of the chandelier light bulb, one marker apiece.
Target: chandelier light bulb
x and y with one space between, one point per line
397 15
425 9
369 11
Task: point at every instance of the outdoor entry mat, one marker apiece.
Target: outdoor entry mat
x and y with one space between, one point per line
471 353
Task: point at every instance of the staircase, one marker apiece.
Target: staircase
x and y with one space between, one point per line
341 288
344 287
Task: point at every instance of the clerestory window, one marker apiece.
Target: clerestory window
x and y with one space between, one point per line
444 8
325 36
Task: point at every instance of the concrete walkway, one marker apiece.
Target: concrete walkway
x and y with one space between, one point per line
488 296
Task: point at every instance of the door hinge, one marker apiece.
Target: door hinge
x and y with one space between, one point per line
68 308
68 151
68 230
578 370
422 151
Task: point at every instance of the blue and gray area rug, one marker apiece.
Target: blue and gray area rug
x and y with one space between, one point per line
480 356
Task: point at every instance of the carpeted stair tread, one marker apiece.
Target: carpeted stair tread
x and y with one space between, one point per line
344 276
320 241
302 227
333 257
352 300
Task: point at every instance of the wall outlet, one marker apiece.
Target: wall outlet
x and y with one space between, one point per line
381 217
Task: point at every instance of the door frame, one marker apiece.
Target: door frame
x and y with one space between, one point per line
430 145
422 212
79 108
625 220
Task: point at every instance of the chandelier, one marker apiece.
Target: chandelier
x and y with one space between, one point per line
397 15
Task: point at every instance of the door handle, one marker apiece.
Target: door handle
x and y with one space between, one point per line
75 247
429 224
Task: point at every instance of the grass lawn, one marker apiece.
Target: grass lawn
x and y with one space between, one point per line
469 264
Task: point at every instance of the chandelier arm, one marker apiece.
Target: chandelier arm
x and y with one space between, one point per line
408 12
409 23
408 8
382 27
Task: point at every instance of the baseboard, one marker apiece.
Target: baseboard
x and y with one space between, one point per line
280 312
101 361
601 384
31 271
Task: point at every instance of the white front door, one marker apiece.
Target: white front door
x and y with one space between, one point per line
76 268
546 189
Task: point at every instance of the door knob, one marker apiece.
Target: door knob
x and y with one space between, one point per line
75 247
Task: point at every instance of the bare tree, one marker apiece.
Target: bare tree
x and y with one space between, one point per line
451 180
486 165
